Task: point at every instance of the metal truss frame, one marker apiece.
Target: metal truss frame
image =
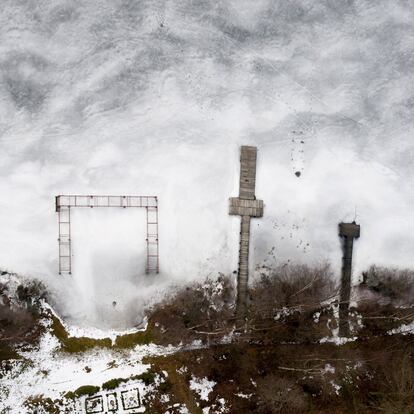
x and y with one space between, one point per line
64 204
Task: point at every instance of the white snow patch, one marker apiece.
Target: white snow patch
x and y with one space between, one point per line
96 333
43 370
337 340
222 402
335 386
219 407
335 310
329 368
227 339
182 409
246 396
403 329
165 398
182 370
92 332
202 386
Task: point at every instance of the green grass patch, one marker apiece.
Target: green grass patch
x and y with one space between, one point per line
74 344
86 390
82 344
70 395
146 377
133 339
113 383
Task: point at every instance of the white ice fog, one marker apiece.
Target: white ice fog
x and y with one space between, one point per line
150 97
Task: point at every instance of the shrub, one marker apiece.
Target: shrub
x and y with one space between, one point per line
397 392
31 293
284 301
205 311
17 326
292 286
165 386
190 312
393 285
45 404
280 395
7 352
19 322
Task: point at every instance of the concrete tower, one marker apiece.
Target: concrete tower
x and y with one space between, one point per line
348 232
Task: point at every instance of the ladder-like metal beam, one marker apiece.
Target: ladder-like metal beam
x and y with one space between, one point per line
105 201
152 240
65 246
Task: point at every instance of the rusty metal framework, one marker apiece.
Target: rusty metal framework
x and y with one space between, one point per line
64 204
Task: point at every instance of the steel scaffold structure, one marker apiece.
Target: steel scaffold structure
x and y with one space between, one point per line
64 204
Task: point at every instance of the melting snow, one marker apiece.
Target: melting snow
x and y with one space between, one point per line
246 396
45 371
335 386
202 387
337 340
403 329
329 368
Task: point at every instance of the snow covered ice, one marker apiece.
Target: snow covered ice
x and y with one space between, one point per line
153 98
148 97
